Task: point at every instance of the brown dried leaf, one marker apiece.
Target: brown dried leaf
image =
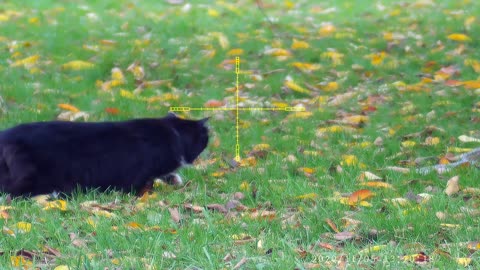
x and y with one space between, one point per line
240 263
217 207
193 208
342 236
452 186
175 215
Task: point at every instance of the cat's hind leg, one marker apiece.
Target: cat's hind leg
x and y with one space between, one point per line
16 170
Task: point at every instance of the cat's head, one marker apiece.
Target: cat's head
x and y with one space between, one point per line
193 136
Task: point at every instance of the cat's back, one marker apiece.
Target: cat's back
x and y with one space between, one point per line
62 131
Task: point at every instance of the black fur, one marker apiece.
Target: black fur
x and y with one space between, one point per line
39 158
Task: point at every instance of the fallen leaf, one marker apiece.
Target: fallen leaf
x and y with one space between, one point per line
113 111
77 65
297 88
420 258
212 103
459 37
360 195
452 186
464 261
175 215
240 263
217 207
342 236
27 62
308 196
193 208
23 227
68 107
377 184
332 225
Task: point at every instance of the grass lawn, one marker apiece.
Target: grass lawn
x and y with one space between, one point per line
388 87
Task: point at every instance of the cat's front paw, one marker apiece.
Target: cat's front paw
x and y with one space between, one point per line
173 179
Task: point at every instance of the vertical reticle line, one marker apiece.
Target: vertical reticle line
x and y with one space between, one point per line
237 135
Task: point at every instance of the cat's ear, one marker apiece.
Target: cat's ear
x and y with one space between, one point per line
203 121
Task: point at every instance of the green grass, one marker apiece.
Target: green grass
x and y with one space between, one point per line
183 44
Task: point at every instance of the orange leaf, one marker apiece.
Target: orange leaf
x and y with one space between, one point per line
113 111
68 107
376 184
360 195
134 225
471 84
212 103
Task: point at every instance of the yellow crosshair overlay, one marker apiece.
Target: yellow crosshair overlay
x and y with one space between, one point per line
237 110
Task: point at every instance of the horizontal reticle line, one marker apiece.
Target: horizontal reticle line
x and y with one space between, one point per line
286 109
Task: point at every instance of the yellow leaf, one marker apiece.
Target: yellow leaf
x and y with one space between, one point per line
244 186
468 22
349 160
331 129
378 58
222 39
261 147
117 76
355 119
408 144
298 44
57 204
26 62
7 231
297 88
398 201
306 67
329 87
278 52
61 267
471 84
458 149
368 250
326 30
459 37
213 13
134 225
308 196
91 222
280 104
20 261
23 227
472 63
103 213
235 52
301 115
68 107
337 58
115 261
432 140
218 174
464 261
248 162
127 94
77 65
376 184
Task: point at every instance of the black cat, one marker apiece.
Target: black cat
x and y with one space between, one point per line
43 157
